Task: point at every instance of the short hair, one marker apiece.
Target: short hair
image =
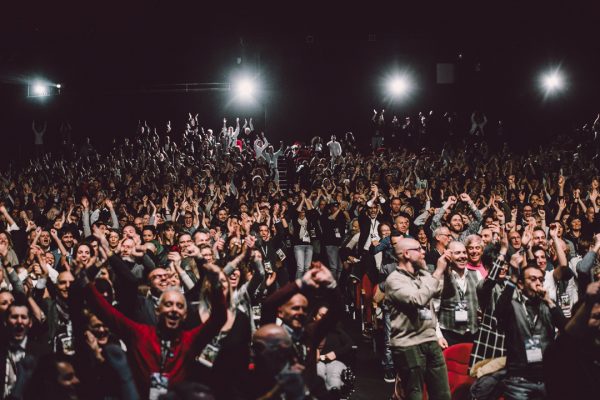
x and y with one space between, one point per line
150 228
528 266
472 238
171 289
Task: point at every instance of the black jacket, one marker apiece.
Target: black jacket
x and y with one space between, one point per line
516 322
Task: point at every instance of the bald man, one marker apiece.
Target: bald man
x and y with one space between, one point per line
276 368
459 304
409 291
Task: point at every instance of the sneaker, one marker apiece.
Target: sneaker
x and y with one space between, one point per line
389 376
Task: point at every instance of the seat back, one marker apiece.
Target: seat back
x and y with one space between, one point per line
457 363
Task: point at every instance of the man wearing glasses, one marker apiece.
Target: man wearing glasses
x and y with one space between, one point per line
417 356
529 319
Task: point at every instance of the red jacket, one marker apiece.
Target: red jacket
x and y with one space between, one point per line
143 343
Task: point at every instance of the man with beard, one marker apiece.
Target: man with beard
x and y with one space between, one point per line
16 345
455 221
574 356
160 355
459 303
409 291
529 319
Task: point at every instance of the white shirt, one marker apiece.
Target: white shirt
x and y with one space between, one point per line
335 148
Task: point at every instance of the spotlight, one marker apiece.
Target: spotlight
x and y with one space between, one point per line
245 89
399 86
553 81
58 86
40 89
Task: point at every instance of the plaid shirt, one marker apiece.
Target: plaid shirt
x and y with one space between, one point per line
452 298
489 342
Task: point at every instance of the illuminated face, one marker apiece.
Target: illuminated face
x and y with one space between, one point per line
201 238
67 240
373 212
184 241
222 215
207 254
139 223
515 239
127 247
539 239
44 239
355 227
474 252
6 299
83 254
113 239
49 258
99 330
147 235
456 223
444 237
487 236
540 259
527 210
385 231
63 283
129 231
422 237
293 313
458 254
395 205
159 279
402 224
18 322
171 310
576 224
264 233
234 279
533 281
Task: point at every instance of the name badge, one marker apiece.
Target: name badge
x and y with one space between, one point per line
533 349
159 384
337 233
565 304
306 238
268 267
461 316
208 355
281 254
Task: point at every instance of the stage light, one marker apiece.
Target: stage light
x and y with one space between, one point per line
40 89
58 86
245 88
552 81
399 86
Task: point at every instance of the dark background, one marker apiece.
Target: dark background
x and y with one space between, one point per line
322 67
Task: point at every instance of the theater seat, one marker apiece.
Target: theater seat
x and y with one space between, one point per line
457 362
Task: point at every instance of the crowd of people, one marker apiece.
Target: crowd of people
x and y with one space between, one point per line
181 264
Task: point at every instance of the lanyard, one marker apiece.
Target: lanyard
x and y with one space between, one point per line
265 250
531 323
165 349
373 226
